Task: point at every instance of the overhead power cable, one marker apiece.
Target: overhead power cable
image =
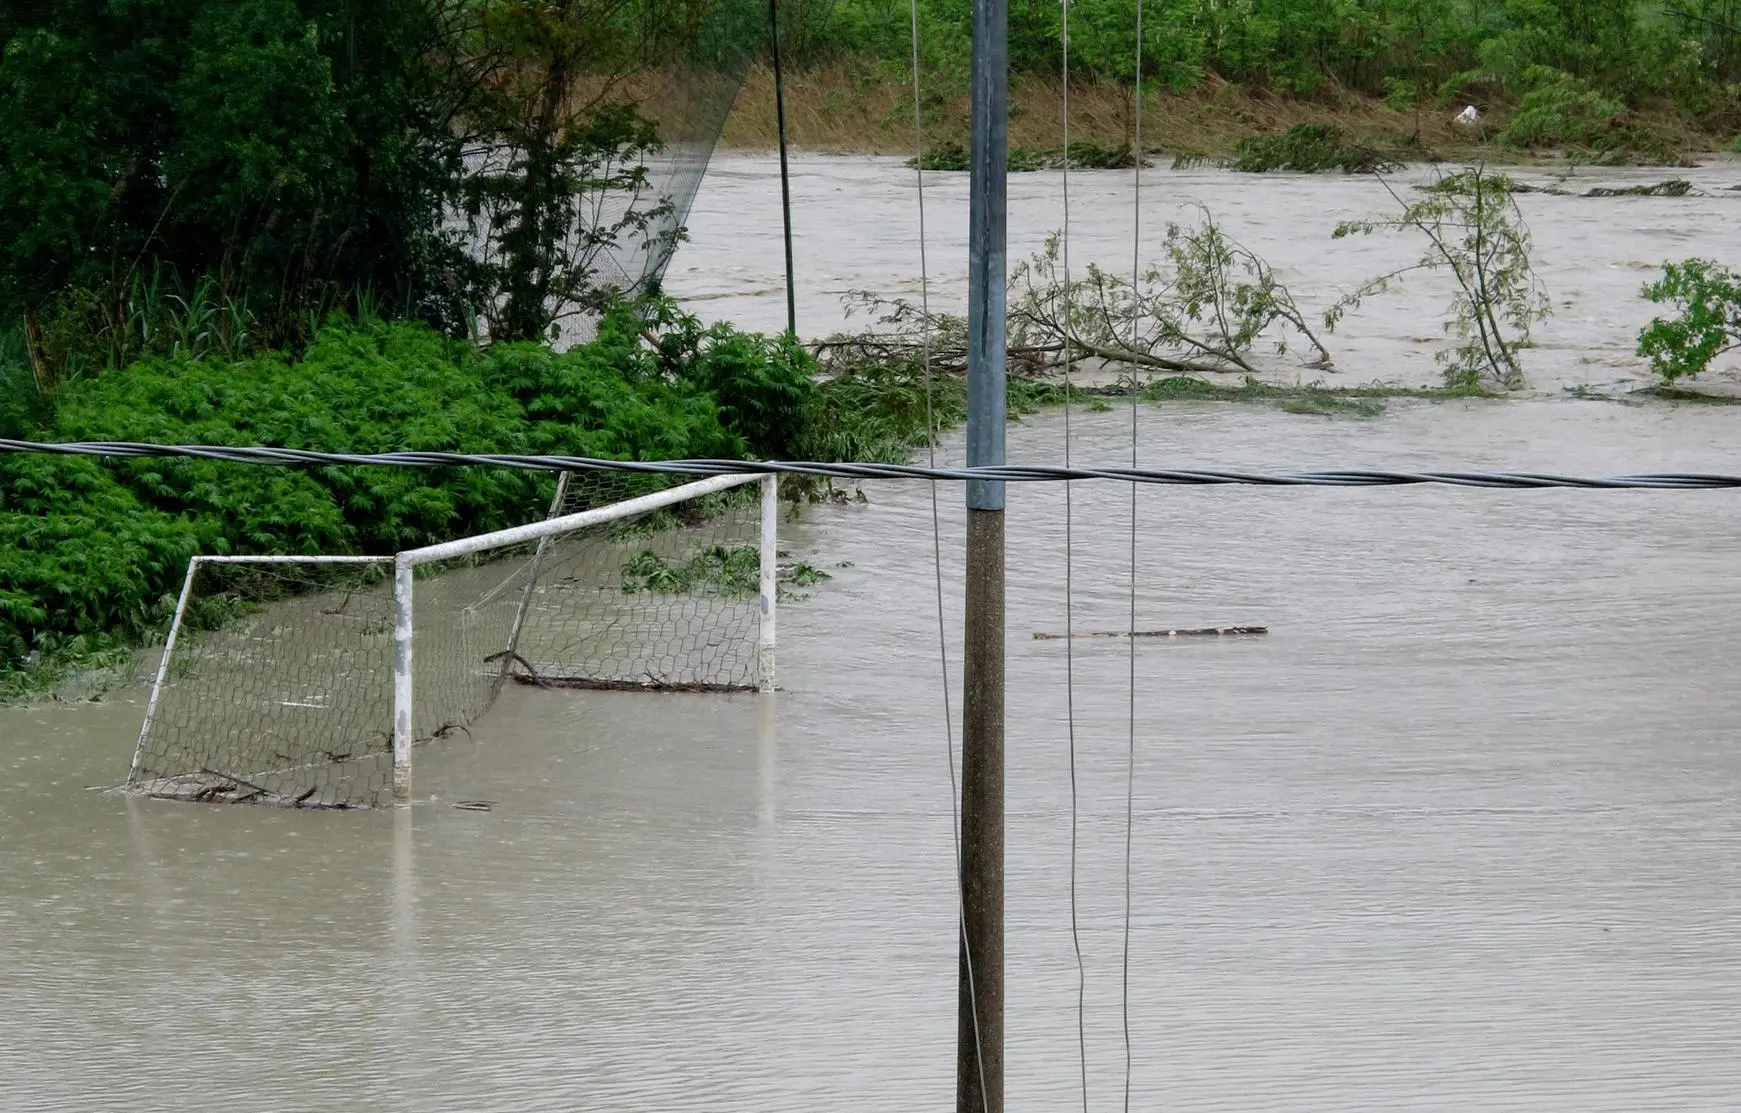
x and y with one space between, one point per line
1007 473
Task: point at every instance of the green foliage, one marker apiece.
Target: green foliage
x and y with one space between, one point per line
762 385
1560 111
561 205
1309 149
952 155
875 410
21 405
1202 309
1400 95
1311 398
734 573
1707 298
1475 232
290 151
716 570
80 556
1671 187
879 405
265 162
94 549
1403 51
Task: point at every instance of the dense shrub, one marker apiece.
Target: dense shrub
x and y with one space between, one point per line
1560 111
293 147
90 547
80 554
19 401
1623 49
762 385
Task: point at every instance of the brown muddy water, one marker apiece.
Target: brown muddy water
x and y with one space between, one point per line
1463 832
855 227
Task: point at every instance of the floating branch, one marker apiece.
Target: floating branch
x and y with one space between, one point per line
595 684
1203 632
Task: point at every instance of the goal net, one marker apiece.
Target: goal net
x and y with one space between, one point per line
307 681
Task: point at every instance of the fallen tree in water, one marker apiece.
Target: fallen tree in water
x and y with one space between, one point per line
1203 309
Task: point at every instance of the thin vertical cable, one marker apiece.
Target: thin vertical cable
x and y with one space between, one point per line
1069 624
1136 265
785 173
937 539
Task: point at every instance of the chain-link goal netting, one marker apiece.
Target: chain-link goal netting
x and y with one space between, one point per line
276 687
664 600
278 683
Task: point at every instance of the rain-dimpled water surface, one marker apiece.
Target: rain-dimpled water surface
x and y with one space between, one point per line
1463 832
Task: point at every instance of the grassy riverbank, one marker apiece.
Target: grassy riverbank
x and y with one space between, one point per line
864 108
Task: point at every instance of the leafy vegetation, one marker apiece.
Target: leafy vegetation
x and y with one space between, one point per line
245 167
94 550
1474 231
1707 298
1564 63
265 157
733 572
1310 398
1309 149
953 155
1202 309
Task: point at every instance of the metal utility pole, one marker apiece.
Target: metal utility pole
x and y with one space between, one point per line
979 1057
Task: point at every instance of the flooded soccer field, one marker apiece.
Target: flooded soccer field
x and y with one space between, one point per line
1463 831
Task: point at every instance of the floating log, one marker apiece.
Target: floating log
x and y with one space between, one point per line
1203 632
594 684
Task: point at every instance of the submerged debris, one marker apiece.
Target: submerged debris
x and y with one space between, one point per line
1673 187
1201 632
1670 187
1309 149
951 155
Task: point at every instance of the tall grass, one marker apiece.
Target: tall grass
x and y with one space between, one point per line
90 332
19 400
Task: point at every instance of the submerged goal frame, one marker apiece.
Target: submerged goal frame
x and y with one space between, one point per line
406 563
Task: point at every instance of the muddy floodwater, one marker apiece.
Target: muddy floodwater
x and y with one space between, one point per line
1463 832
855 227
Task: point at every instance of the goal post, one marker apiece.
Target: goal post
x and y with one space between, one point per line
545 534
312 680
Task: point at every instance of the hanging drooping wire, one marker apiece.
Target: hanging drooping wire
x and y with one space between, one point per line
785 173
937 551
1069 549
1136 269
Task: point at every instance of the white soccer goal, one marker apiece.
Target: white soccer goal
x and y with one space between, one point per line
310 680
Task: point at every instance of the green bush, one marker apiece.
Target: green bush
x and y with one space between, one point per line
294 147
1708 298
1560 111
92 549
80 556
762 385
